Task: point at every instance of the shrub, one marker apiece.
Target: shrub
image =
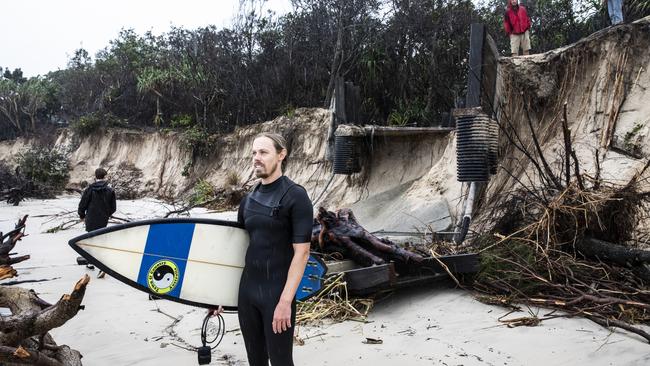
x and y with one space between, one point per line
126 179
45 167
186 169
92 122
7 177
202 192
409 113
86 125
182 121
197 140
232 179
288 111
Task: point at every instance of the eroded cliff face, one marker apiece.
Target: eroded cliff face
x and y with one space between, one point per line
405 182
603 84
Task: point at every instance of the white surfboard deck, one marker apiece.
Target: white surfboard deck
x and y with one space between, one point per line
197 262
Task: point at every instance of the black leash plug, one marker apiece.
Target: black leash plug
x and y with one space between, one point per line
205 355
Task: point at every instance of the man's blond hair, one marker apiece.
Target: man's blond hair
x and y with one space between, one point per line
279 143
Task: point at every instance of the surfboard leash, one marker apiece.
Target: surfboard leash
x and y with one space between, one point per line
205 351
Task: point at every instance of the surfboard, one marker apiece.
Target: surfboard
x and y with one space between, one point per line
193 261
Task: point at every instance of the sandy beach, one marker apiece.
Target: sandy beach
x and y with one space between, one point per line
436 325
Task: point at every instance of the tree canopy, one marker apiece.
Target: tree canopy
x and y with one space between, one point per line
409 58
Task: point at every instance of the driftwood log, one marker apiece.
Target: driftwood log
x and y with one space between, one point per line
340 232
7 243
636 259
24 337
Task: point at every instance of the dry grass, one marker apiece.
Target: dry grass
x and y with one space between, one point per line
332 303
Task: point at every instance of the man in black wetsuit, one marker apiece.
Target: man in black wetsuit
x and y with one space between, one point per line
278 216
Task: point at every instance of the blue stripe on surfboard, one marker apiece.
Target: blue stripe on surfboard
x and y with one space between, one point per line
171 242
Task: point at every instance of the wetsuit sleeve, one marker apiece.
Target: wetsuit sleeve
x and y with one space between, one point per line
302 216
83 204
240 212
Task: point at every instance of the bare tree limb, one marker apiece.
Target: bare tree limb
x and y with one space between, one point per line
22 356
26 322
609 323
538 148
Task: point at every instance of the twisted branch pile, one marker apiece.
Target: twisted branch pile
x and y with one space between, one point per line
570 243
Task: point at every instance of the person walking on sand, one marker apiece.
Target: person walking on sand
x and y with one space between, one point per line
517 24
278 217
615 10
97 204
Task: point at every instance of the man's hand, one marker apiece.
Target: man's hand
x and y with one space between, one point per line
282 317
215 312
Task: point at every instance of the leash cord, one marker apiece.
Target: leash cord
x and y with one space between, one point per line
221 331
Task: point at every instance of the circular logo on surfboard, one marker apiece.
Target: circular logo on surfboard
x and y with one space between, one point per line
162 276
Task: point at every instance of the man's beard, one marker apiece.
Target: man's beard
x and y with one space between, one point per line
267 173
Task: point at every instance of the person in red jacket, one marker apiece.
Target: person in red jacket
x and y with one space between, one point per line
517 23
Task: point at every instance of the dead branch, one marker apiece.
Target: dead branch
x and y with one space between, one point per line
547 168
518 144
596 185
25 322
223 198
7 272
21 356
13 260
558 252
24 334
613 253
567 147
613 323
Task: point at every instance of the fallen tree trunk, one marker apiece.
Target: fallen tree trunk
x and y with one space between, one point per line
24 337
612 253
32 316
340 232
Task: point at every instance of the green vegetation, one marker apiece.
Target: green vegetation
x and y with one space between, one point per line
182 121
186 169
93 122
202 192
289 111
46 168
411 113
409 59
197 140
87 124
630 140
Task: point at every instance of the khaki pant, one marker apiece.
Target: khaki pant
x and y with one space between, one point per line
519 40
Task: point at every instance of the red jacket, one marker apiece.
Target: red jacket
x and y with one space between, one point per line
516 20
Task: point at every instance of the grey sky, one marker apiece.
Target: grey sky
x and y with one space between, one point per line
39 35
